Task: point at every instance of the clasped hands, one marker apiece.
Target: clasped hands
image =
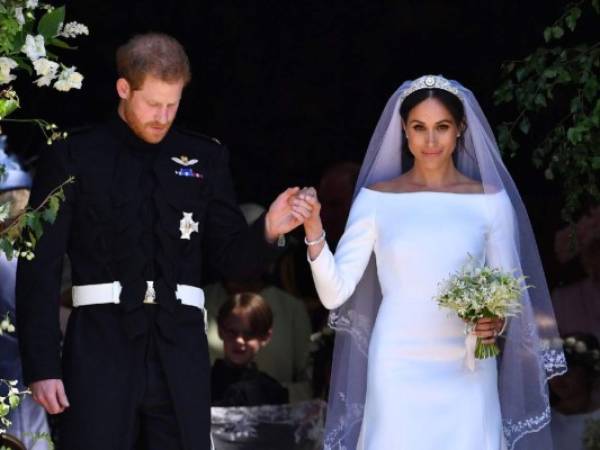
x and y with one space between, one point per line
292 208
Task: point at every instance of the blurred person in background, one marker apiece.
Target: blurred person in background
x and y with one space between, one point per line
29 418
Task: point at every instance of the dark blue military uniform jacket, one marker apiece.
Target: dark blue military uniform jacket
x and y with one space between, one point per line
121 222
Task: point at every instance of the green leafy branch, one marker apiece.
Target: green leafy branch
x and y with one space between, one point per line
10 400
20 236
556 93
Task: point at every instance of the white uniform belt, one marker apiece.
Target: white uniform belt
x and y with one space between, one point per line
105 293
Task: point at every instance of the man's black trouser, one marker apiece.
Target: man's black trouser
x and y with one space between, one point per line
125 404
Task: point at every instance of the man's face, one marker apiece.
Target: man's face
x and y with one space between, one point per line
150 110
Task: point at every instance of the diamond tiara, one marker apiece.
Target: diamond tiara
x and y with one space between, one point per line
430 82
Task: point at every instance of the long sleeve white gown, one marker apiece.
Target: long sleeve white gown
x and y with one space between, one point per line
420 394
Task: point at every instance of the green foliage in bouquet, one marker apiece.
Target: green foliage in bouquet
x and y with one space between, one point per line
555 91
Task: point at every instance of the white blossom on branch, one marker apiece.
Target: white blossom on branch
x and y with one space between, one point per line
46 69
34 47
6 65
73 29
68 79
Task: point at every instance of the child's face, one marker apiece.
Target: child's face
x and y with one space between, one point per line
240 346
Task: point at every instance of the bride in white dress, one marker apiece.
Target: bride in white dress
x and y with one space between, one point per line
422 225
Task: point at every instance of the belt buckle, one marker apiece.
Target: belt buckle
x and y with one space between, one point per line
150 296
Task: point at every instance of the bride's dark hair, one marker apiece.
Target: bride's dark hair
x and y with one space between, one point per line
448 99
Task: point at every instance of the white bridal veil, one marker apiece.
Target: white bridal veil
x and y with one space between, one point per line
532 352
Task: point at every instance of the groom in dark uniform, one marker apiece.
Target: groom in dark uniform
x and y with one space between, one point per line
151 204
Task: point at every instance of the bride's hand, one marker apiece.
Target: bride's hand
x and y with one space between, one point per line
306 204
488 328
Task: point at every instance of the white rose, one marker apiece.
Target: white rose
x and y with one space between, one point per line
19 16
31 4
46 69
34 47
6 65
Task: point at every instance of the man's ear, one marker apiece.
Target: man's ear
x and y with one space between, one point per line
123 88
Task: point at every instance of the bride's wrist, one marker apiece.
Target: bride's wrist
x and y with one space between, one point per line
313 232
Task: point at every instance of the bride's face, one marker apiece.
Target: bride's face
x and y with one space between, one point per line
432 133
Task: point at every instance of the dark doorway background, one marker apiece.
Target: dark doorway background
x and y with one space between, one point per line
294 86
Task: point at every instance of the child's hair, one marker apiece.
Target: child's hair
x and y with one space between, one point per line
255 307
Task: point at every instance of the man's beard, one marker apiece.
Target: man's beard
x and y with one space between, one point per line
144 130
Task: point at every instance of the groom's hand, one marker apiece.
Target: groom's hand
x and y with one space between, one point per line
50 394
281 218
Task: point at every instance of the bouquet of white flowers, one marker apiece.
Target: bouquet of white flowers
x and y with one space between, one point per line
478 292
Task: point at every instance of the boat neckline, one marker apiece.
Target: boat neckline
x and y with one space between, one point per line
432 192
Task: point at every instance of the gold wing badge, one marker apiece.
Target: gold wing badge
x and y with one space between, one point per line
185 170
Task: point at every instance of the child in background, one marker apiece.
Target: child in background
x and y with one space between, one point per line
245 324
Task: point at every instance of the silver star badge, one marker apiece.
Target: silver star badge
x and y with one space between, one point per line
187 226
184 161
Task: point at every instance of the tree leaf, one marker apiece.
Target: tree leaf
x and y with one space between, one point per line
4 409
4 211
49 215
19 40
571 19
540 100
576 105
557 32
50 22
524 125
34 222
7 106
6 247
61 44
574 135
13 401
